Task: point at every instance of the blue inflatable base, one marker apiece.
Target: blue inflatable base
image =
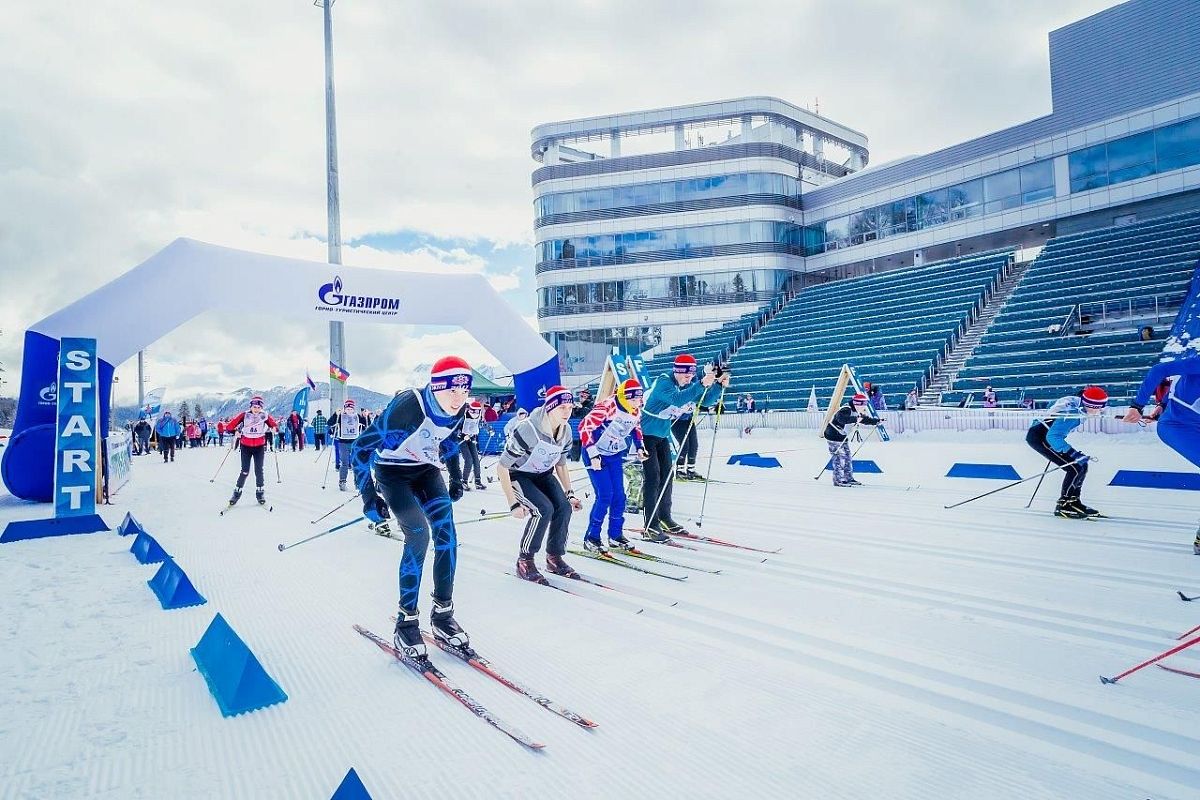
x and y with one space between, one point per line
57 526
753 460
1143 479
351 788
866 467
996 472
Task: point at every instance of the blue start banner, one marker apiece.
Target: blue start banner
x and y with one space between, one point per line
78 416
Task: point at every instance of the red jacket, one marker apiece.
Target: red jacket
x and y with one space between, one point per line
252 439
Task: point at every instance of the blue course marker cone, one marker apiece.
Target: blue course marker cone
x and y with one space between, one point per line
146 550
234 675
351 788
130 526
173 588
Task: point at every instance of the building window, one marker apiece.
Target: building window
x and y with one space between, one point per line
1131 157
1178 145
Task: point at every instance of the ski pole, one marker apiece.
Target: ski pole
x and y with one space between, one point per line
1158 657
283 547
278 477
1079 460
1185 598
711 448
1187 633
328 461
1039 485
484 518
223 460
669 477
327 513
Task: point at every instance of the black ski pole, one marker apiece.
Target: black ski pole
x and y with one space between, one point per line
218 472
1038 488
278 477
711 448
328 461
335 508
1079 460
283 547
852 455
669 477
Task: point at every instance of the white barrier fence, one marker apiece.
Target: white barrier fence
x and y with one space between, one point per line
119 464
918 420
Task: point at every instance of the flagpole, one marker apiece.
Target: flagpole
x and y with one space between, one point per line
337 336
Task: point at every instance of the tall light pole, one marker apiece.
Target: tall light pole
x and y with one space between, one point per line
337 336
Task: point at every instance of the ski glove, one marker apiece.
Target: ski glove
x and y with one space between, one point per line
376 510
456 490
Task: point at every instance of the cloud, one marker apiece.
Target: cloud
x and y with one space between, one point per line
126 124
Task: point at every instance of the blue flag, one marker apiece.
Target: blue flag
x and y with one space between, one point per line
300 403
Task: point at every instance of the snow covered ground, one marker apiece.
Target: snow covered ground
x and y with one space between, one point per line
892 649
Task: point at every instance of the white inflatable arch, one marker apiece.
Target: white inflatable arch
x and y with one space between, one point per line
309 289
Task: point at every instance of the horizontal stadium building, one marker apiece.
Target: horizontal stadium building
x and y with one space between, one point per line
729 210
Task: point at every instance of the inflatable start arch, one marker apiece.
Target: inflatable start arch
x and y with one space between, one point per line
300 288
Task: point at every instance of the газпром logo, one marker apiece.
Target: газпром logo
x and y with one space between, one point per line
49 394
332 299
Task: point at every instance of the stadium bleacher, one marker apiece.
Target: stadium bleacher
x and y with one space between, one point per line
1022 354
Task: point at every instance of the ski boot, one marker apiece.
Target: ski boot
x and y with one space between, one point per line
656 534
237 495
381 528
479 485
681 474
1196 547
1065 507
855 482
621 543
1087 510
260 496
445 628
527 570
466 487
556 565
341 486
408 636
671 527
594 546
692 475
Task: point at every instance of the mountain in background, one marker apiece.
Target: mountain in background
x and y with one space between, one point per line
278 401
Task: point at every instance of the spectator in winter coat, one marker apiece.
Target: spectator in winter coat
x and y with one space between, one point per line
989 398
582 406
877 399
320 427
168 432
911 401
143 431
193 434
295 425
203 423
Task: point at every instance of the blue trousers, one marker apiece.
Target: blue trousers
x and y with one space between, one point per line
1181 433
418 499
609 483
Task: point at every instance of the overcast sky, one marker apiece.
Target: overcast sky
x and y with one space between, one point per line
125 124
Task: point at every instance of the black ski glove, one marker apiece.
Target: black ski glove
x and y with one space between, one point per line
375 509
456 490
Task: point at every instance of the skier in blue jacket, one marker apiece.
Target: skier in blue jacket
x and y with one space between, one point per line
1048 436
671 396
1179 420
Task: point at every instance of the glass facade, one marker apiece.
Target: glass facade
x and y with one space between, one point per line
744 286
669 243
585 351
1147 153
664 192
997 192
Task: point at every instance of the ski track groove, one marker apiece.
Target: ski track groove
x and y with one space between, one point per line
227 570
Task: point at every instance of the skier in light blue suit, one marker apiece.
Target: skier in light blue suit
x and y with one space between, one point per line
671 396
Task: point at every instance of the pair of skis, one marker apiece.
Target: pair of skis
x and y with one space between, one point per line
426 669
695 537
609 558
